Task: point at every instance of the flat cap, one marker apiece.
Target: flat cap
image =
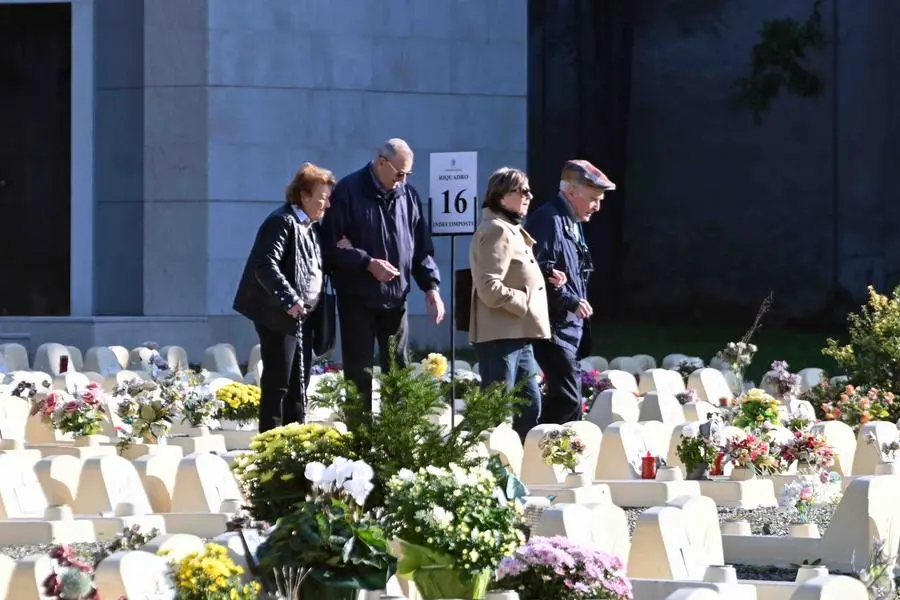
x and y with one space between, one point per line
584 173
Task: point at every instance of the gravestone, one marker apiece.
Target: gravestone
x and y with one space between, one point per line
710 385
505 443
614 405
135 574
47 358
106 483
621 380
842 439
662 407
661 380
21 495
102 360
534 470
627 364
202 484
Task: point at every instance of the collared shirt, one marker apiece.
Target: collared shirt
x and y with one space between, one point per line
315 269
574 223
377 183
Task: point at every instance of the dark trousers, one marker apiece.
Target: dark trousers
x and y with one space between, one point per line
512 362
562 375
361 327
281 393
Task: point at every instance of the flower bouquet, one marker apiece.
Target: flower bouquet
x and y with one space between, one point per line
786 384
592 383
810 451
79 415
143 408
562 569
189 391
335 546
562 447
71 578
805 492
240 402
211 575
737 356
755 409
758 454
451 527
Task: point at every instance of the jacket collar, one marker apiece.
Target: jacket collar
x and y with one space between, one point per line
489 215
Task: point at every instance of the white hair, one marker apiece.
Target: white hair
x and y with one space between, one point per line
394 147
565 185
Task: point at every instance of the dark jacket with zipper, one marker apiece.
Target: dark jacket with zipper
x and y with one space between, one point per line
388 225
275 276
553 226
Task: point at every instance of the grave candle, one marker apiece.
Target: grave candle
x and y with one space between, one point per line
648 467
718 467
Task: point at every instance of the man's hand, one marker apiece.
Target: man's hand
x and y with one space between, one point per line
382 270
557 278
344 244
584 310
435 305
296 311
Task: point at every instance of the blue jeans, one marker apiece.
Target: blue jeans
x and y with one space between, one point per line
510 362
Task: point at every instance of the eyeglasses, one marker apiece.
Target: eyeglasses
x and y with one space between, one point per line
398 174
524 191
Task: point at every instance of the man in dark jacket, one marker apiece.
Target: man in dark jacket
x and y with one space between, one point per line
375 240
280 291
561 245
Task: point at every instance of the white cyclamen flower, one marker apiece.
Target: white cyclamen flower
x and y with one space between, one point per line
315 472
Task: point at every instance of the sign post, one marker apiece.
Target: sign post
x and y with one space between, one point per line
453 210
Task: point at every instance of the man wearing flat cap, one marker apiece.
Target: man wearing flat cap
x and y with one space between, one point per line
560 244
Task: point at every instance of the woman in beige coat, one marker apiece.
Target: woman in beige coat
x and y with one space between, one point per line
509 302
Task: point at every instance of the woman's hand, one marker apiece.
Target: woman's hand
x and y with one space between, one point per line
557 278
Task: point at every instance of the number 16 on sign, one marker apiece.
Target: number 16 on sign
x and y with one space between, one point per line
453 193
454 204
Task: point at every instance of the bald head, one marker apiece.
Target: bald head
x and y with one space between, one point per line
393 148
393 163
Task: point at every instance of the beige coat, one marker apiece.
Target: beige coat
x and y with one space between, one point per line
509 297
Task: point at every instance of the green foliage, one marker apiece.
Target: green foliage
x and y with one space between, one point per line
872 357
780 62
405 433
273 475
340 547
695 451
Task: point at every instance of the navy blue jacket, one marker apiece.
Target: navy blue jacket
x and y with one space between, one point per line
386 225
556 247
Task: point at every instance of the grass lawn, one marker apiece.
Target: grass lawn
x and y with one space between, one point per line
800 348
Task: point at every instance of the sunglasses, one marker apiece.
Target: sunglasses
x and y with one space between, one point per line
398 174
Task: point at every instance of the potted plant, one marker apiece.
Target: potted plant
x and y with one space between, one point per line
755 409
330 540
563 569
211 575
563 447
450 528
80 415
696 453
240 406
272 475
